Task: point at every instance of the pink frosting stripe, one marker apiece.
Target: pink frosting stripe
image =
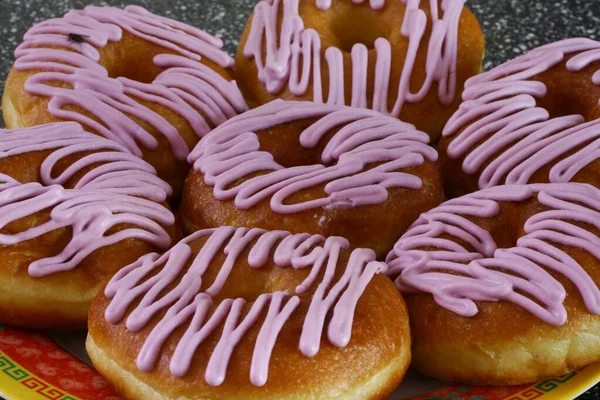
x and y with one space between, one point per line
124 189
500 113
185 86
457 277
189 307
232 152
282 63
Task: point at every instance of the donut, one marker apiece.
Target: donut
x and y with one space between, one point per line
241 313
531 120
502 284
401 58
150 83
74 209
307 167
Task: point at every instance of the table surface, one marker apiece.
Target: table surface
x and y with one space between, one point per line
511 27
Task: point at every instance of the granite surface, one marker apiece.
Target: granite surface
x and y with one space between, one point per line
512 27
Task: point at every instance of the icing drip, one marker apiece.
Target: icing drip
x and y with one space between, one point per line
457 276
185 87
103 198
188 306
232 153
294 57
500 114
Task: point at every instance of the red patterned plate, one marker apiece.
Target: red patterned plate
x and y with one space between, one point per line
35 366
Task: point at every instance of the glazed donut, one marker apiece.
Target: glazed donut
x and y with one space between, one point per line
502 284
241 313
531 120
150 83
74 209
404 59
306 167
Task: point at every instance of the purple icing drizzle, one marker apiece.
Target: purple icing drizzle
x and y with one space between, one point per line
121 173
108 195
293 56
375 4
457 276
232 152
188 306
500 112
184 87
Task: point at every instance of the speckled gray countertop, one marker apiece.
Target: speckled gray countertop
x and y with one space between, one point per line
511 27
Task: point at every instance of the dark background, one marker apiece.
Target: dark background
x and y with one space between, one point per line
511 27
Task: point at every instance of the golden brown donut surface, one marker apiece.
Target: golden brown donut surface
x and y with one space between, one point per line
409 61
306 167
534 119
242 313
502 284
74 209
153 84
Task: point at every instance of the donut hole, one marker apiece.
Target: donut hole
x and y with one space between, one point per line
570 92
145 74
508 228
563 103
505 229
357 25
283 142
131 58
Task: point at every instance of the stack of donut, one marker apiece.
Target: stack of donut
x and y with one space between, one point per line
511 269
282 287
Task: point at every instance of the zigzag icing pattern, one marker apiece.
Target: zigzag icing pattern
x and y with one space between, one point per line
121 189
185 87
501 119
188 306
232 152
458 276
293 57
